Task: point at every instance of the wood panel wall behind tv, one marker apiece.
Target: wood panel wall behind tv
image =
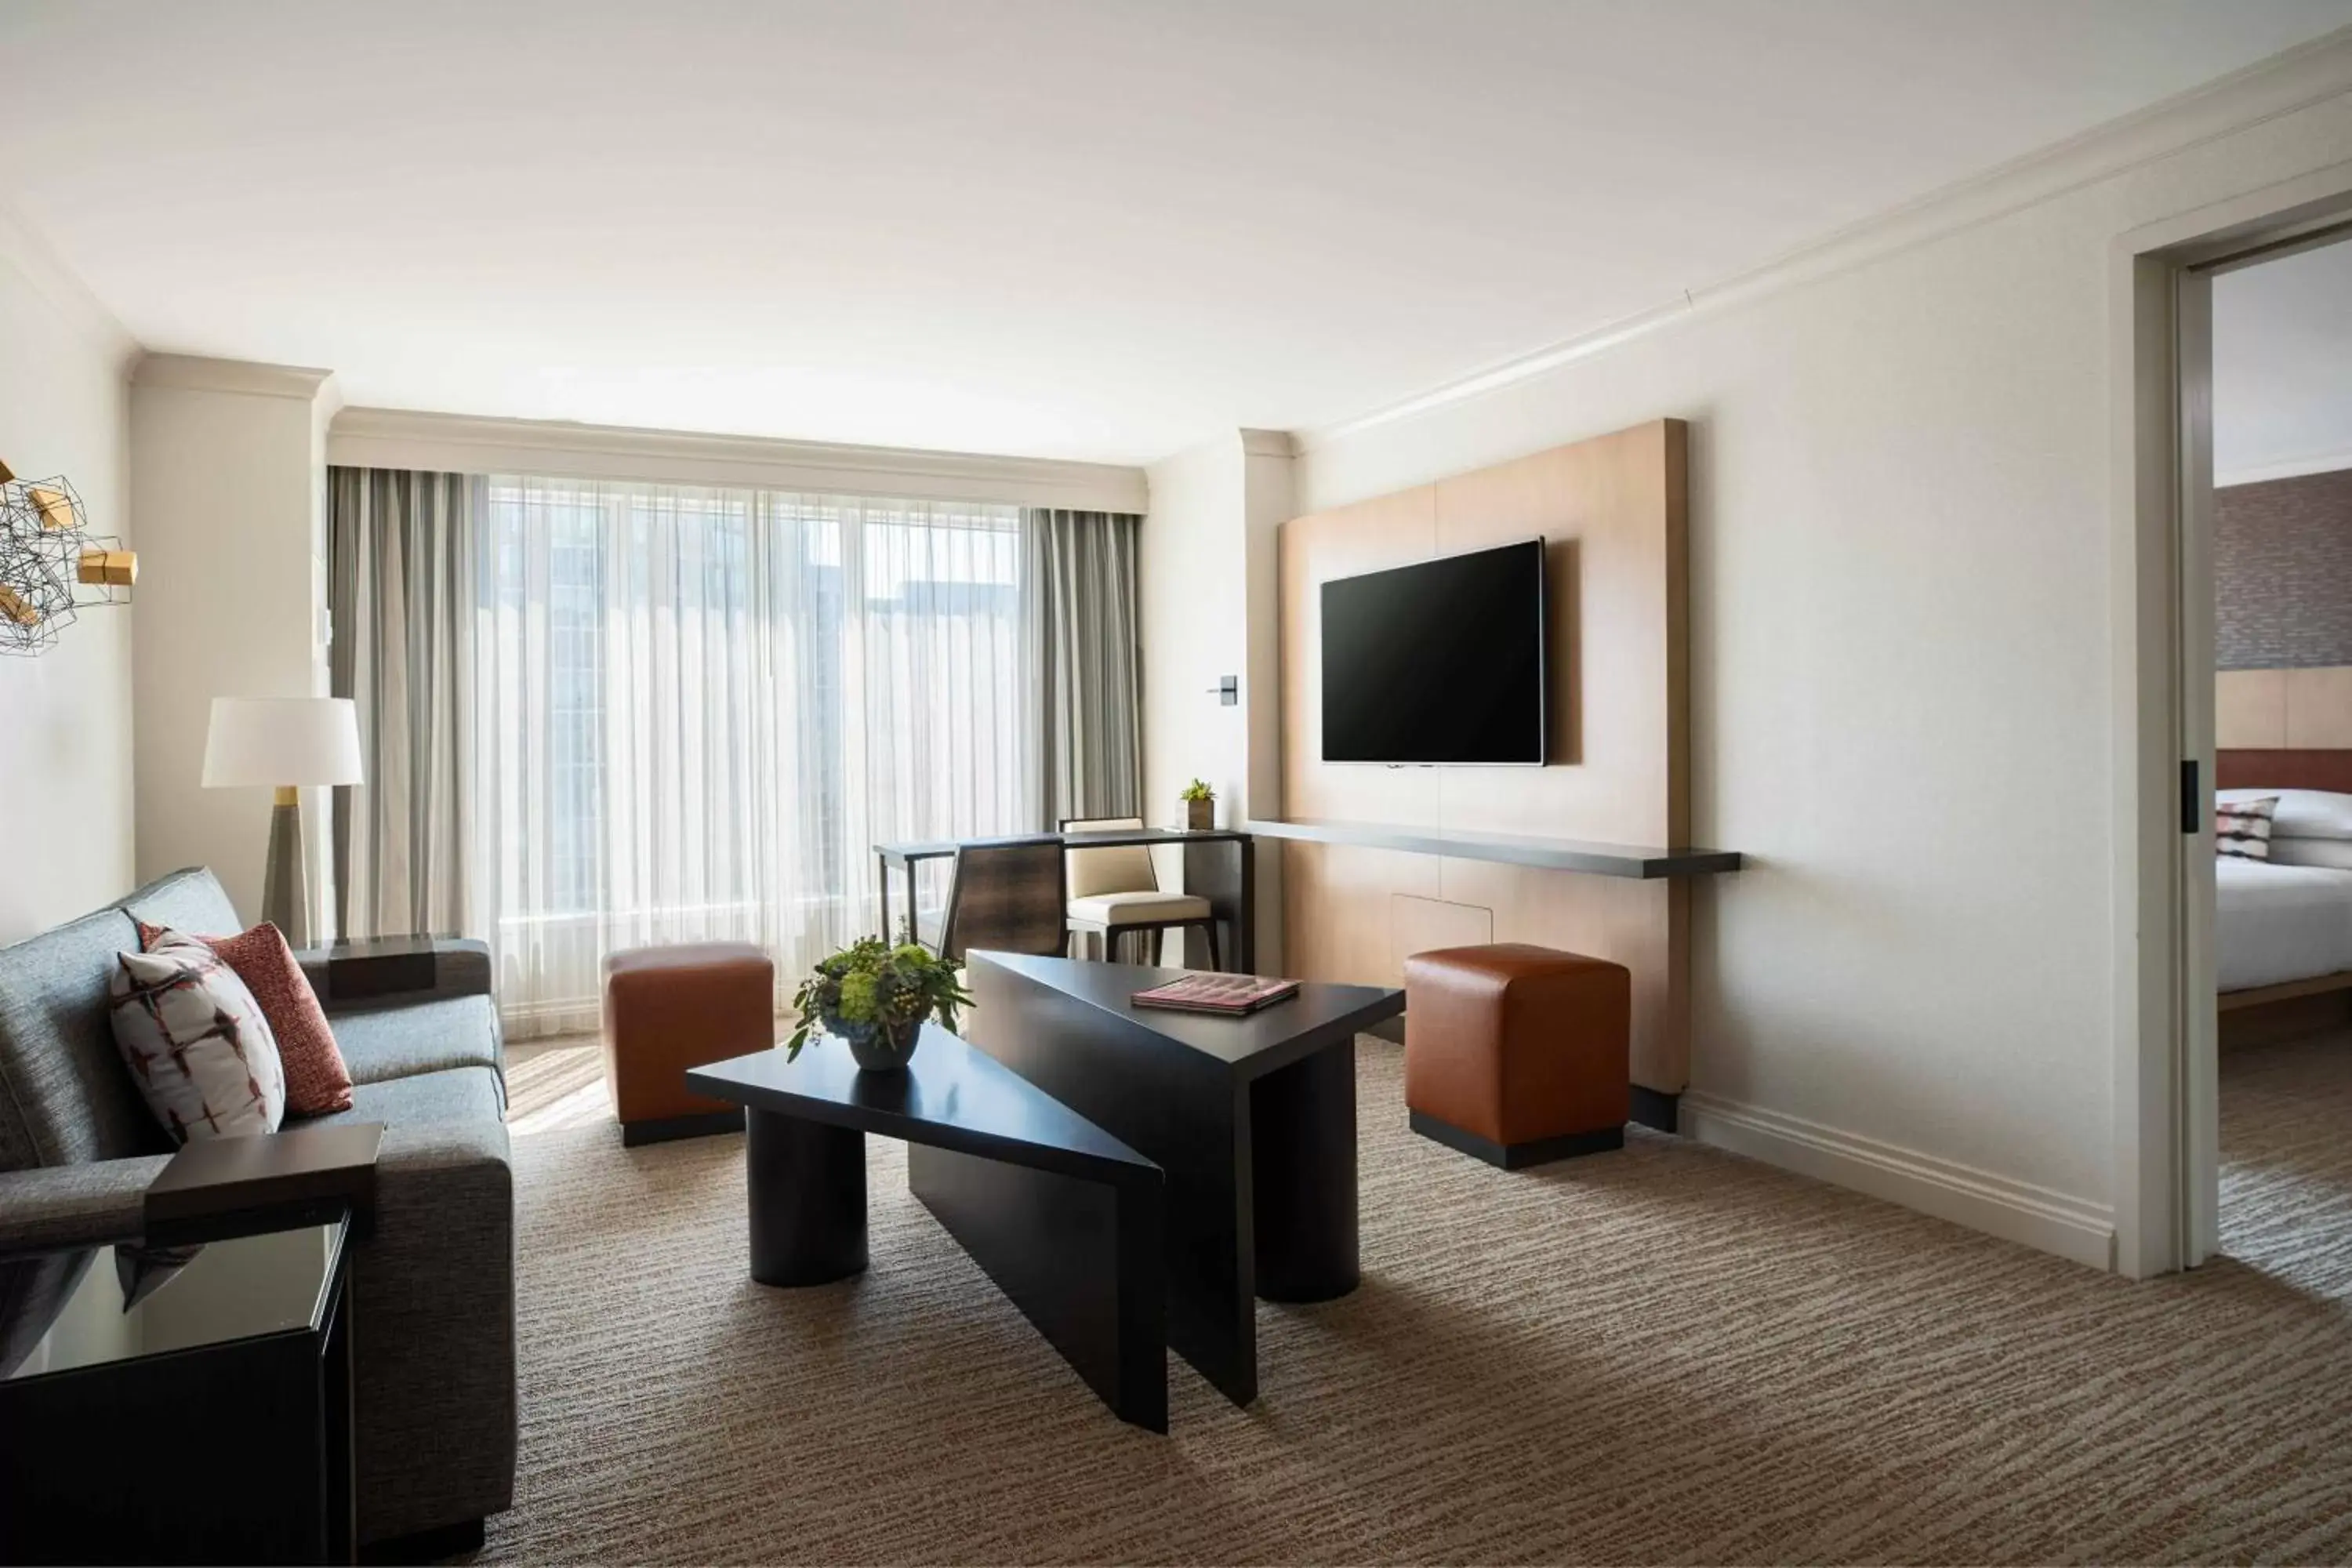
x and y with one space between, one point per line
1613 510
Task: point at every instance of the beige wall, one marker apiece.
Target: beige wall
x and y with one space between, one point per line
227 468
1209 583
1902 640
66 769
2283 710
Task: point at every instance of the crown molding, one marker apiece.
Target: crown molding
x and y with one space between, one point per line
2302 467
1269 443
457 443
2308 74
25 251
249 378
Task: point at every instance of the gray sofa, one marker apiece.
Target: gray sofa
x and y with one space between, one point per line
433 1285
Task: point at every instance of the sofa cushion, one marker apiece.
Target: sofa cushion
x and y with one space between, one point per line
421 1100
64 1096
383 1043
196 1043
316 1080
191 900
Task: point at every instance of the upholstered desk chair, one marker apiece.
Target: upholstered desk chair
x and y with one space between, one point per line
1006 898
1115 891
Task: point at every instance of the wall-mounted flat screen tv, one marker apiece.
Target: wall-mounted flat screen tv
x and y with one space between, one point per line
1441 661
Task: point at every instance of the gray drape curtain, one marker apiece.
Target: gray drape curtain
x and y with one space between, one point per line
1083 607
402 589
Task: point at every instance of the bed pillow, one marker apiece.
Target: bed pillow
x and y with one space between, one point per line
195 1041
317 1080
2334 853
2302 812
2242 828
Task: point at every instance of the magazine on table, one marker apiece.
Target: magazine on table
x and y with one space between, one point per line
1228 994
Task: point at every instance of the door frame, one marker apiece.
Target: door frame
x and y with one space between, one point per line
2166 1117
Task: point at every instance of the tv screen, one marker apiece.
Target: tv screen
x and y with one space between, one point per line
1441 661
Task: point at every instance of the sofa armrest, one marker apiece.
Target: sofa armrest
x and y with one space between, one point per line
378 971
435 1349
54 1206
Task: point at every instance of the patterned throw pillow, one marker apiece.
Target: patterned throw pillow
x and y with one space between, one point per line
317 1080
2243 828
196 1043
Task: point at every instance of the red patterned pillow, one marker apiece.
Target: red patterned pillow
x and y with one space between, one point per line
317 1081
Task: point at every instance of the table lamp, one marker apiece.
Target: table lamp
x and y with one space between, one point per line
284 743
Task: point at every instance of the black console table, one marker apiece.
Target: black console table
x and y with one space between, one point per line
1064 1218
230 1361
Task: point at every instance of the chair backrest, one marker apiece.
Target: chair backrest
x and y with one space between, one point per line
1008 898
1125 869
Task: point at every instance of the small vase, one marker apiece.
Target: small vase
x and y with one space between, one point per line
877 1047
1200 816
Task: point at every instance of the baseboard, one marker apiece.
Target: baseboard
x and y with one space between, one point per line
2014 1211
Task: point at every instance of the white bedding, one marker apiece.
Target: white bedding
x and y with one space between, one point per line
2275 923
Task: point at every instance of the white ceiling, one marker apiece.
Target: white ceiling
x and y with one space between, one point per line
1099 228
2282 365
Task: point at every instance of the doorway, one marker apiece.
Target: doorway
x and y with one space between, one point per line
2165 1125
2278 527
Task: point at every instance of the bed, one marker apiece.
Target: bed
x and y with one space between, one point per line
2283 927
2278 924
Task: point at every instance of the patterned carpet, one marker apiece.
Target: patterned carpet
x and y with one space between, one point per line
1666 1354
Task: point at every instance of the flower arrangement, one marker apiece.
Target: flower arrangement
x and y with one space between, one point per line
876 997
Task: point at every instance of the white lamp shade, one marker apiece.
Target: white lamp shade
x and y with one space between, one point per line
281 741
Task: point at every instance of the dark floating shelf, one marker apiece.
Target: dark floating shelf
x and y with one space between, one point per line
1636 861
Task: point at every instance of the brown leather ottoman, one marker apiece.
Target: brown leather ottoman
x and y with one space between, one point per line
1518 1053
671 1008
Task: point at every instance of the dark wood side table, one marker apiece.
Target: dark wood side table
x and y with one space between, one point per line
161 1411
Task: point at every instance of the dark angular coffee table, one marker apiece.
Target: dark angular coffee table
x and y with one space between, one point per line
1064 1218
1252 1118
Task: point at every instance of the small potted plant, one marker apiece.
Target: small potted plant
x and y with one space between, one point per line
877 998
1199 806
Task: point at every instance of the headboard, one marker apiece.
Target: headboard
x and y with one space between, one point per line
2309 769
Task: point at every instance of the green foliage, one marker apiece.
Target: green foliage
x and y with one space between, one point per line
872 985
1196 790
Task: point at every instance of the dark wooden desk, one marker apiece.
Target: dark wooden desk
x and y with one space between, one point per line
1253 1119
1220 864
1064 1216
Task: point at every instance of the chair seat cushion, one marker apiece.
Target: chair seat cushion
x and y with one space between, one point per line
1146 907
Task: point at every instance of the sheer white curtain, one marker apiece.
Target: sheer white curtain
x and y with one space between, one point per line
696 710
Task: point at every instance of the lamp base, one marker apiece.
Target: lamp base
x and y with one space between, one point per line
285 880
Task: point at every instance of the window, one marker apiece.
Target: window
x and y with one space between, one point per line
696 710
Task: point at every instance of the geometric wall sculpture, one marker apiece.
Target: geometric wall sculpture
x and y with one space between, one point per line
50 564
